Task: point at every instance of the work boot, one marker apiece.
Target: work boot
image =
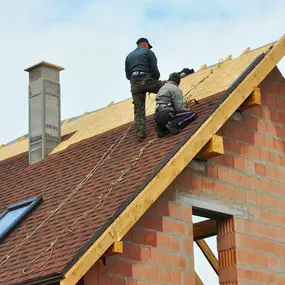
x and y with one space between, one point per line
160 133
173 128
140 139
140 134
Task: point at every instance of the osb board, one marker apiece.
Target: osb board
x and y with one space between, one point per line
220 77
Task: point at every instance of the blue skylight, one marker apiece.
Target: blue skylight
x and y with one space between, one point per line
12 216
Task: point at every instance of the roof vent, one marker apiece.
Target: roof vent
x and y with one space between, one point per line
44 109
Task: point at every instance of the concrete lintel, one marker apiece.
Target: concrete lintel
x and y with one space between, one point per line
44 63
212 208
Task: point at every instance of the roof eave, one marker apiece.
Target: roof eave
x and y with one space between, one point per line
49 279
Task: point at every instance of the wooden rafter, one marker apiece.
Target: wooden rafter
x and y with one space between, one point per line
111 104
116 247
245 51
213 148
229 57
198 280
203 67
176 164
204 229
209 255
254 99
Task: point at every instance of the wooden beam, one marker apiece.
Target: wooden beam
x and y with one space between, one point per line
198 281
81 281
175 165
213 148
83 115
116 247
204 229
229 57
254 99
245 51
111 104
21 138
209 255
203 67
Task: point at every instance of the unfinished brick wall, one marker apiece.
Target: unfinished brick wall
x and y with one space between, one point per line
250 176
158 250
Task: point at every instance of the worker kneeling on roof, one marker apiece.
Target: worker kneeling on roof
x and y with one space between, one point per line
171 115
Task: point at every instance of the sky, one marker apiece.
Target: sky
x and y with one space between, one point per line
91 39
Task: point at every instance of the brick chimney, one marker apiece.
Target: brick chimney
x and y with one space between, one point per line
44 109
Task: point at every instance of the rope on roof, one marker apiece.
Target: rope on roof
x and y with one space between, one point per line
105 158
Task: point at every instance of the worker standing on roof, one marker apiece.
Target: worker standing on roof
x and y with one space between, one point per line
142 71
171 115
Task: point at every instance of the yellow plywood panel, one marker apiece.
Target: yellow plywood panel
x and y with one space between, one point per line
14 149
199 85
218 77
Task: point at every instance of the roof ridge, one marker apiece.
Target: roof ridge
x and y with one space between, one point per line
19 144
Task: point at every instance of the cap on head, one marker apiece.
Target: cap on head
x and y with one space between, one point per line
187 70
175 77
144 40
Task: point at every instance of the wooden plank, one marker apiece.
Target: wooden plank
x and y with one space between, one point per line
66 121
204 229
253 100
198 281
245 51
203 67
175 165
229 57
81 281
111 104
21 138
209 255
83 115
213 148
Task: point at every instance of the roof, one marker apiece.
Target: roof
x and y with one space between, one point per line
94 123
113 176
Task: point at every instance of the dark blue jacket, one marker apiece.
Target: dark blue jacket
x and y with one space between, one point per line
142 59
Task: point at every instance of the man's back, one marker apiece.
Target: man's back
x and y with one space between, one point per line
170 113
171 95
144 60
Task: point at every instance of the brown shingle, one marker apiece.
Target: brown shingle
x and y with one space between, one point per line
58 175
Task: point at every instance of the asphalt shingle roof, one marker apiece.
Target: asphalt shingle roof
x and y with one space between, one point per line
93 205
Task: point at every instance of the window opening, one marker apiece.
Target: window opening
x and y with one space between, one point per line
12 216
205 251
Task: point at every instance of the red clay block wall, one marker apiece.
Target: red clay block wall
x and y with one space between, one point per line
158 250
250 175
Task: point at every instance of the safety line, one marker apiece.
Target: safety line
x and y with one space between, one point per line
101 198
105 158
